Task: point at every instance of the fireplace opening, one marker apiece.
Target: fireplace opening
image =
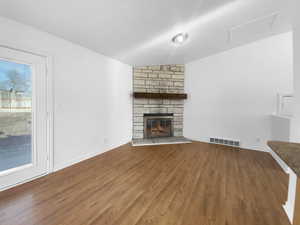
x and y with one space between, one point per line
158 125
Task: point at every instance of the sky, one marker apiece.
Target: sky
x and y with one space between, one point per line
6 66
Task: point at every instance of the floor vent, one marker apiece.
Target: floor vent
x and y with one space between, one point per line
222 141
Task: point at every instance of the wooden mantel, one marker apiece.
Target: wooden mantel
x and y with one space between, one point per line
159 95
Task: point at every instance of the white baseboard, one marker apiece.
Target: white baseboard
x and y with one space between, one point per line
23 182
206 140
281 163
289 206
73 161
68 163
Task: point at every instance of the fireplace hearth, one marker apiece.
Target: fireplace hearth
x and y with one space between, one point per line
158 125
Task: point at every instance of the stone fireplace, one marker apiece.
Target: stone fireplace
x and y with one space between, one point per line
158 115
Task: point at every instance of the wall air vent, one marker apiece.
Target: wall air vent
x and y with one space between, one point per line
222 141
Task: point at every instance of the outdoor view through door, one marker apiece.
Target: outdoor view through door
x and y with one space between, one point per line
15 115
24 117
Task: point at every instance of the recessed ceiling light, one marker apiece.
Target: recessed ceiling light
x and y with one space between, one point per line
180 38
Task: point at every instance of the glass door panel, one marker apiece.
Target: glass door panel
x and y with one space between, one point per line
15 115
23 117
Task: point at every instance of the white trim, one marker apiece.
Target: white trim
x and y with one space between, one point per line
280 162
289 206
15 169
73 161
50 103
22 182
82 158
206 140
50 112
50 97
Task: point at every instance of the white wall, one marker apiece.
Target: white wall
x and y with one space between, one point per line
295 125
232 94
89 90
280 128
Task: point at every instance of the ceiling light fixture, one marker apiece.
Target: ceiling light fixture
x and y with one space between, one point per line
180 38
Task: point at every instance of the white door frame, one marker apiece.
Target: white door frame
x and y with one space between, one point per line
50 106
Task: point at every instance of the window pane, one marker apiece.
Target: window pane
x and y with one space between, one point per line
15 115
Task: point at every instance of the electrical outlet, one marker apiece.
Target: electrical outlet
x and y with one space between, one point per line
105 140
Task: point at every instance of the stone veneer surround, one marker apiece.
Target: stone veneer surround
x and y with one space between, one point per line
158 79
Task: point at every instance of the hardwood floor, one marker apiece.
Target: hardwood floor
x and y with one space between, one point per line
187 184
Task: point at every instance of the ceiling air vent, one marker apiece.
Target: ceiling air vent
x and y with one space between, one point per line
252 29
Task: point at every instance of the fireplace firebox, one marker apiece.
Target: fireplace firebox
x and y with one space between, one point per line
158 125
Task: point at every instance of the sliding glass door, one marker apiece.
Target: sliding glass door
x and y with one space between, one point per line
23 117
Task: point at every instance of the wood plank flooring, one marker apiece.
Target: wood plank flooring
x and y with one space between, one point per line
184 184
